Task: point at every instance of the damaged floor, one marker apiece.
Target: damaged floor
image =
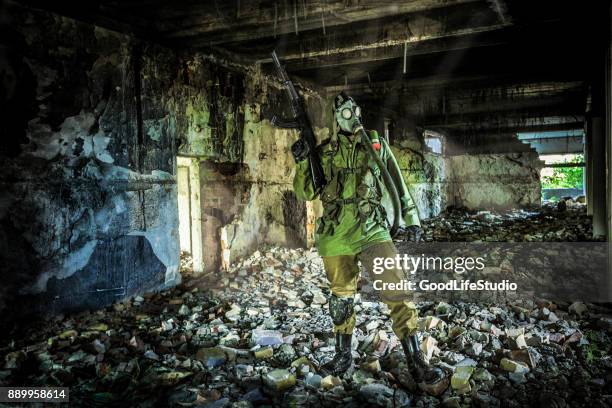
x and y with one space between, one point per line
256 336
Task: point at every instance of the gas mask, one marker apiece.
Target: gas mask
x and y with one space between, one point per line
347 113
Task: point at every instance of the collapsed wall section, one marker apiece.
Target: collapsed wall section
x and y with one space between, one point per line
426 177
89 199
495 181
246 177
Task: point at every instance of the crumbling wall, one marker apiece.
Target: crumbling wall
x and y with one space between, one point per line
473 181
269 212
272 167
222 116
88 207
495 181
426 174
209 103
426 178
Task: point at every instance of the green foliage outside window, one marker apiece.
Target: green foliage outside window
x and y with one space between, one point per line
565 177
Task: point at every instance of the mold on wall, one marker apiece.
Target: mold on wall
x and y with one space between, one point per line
210 110
425 175
253 197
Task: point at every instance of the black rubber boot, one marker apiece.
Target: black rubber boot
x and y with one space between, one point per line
419 368
343 360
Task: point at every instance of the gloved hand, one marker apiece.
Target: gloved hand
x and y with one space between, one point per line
300 150
414 233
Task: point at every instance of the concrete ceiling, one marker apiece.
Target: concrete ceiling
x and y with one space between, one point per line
555 142
471 69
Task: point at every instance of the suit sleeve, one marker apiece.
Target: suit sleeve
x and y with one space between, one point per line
302 182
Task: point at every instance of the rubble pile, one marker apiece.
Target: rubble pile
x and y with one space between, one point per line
564 221
257 335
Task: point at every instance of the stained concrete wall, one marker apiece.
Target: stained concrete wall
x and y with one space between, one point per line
89 200
88 197
426 174
473 181
426 177
495 181
253 198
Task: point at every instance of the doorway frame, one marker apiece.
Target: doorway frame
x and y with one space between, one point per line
195 209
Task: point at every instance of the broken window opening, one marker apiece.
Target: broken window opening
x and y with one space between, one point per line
434 141
562 176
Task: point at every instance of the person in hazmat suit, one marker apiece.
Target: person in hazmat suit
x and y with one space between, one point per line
354 228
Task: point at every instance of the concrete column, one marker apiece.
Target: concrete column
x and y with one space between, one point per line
597 124
608 128
197 243
598 163
607 288
588 166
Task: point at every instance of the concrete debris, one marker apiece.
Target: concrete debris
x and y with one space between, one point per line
330 382
266 337
436 389
371 365
279 379
513 366
578 308
258 333
547 224
461 379
530 357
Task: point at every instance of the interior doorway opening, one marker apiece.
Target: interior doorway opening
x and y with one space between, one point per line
189 211
184 208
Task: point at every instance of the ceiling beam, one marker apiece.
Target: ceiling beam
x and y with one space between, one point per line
432 103
435 83
100 15
513 124
382 39
506 129
393 48
292 17
512 121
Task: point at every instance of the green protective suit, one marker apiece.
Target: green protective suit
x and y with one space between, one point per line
354 226
354 216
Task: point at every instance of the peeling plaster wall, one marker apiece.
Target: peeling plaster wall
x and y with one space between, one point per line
88 201
495 181
210 109
90 184
426 177
88 205
246 181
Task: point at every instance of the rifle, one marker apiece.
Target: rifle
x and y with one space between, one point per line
300 121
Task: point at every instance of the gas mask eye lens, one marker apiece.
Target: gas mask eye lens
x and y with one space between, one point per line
357 111
346 113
